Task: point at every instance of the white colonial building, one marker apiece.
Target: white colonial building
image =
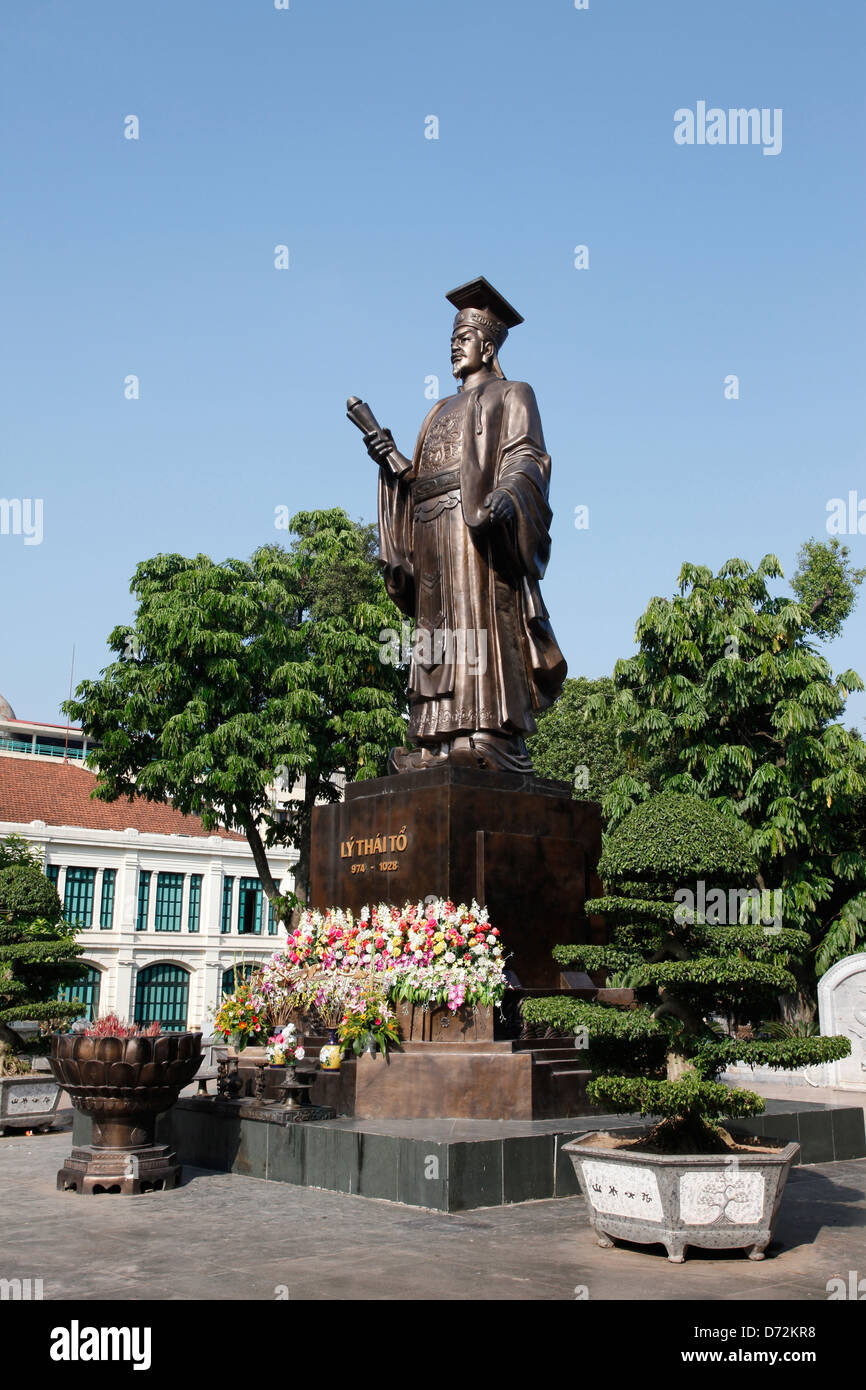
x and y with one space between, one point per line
166 910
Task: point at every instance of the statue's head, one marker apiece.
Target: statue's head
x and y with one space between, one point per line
480 328
472 351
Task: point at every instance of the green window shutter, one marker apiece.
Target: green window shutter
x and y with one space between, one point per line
78 897
250 907
52 873
241 970
106 907
169 902
86 988
162 996
143 900
273 924
228 886
193 919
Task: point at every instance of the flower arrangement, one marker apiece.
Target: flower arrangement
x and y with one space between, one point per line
368 1018
111 1026
283 986
242 1016
327 996
283 1047
427 953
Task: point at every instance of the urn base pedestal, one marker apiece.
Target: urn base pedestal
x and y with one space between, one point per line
92 1171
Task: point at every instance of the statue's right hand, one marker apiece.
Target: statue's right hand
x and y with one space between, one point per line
379 444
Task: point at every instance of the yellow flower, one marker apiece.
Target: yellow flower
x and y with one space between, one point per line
439 948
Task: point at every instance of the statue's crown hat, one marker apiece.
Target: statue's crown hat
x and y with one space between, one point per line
481 306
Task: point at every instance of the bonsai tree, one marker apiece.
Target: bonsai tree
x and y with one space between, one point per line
37 949
729 687
696 940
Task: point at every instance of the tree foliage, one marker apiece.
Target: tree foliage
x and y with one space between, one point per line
728 684
577 742
825 583
37 949
686 967
239 674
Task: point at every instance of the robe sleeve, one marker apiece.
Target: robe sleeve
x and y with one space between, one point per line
395 541
522 547
396 525
523 471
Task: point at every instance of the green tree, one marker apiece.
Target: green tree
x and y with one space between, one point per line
238 674
577 742
728 683
826 583
37 949
686 965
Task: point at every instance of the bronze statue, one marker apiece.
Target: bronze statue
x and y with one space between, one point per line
464 540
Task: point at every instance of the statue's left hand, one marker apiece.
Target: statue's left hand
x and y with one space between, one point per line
501 506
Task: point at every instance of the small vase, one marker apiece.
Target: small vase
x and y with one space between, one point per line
329 1055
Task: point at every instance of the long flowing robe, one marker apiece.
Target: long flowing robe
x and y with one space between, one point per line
454 572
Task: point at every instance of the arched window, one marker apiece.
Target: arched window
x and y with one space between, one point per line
86 988
232 977
162 996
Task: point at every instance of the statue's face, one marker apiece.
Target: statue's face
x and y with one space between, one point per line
469 351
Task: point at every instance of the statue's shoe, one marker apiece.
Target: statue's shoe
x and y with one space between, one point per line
415 759
496 752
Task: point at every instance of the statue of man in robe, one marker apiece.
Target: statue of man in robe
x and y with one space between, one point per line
464 540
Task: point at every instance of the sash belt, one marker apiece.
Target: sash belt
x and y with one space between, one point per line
434 485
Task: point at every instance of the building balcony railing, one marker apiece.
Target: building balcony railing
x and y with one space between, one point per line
45 750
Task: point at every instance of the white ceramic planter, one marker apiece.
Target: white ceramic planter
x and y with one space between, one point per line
709 1200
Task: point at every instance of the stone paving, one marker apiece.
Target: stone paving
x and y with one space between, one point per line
226 1237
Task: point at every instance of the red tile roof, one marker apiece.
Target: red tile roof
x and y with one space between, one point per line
59 794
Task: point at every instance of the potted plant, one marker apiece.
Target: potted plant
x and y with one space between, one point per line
326 998
242 1016
123 1075
369 1023
38 953
692 929
284 1049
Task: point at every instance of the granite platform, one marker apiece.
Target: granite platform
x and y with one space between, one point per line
443 1165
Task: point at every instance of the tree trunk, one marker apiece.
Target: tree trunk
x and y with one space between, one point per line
256 844
678 1066
302 868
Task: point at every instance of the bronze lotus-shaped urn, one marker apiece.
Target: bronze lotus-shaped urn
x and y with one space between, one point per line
123 1083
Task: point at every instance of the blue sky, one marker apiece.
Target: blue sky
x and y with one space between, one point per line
306 127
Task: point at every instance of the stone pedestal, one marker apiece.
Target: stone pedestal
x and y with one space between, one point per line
91 1169
519 845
